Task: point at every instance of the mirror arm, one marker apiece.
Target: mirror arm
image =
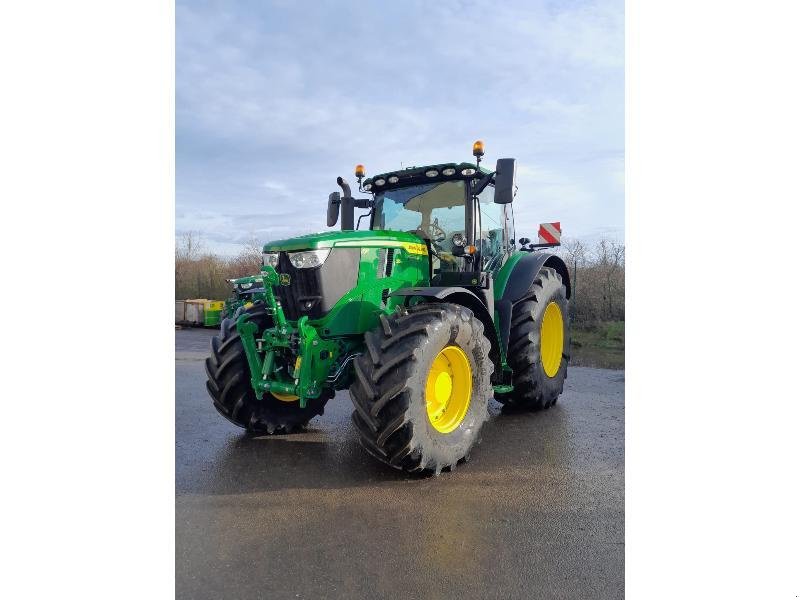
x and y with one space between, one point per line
481 185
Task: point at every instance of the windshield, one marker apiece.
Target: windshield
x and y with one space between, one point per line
433 210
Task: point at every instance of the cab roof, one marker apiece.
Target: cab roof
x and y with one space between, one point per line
417 176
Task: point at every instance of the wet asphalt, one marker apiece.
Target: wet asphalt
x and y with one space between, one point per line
538 512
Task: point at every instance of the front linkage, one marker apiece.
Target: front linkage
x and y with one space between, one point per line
307 357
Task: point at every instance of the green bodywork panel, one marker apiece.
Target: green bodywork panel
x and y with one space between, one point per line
358 311
501 277
504 273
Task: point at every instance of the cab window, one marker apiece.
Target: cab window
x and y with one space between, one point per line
493 238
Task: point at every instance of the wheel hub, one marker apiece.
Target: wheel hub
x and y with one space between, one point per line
552 339
448 389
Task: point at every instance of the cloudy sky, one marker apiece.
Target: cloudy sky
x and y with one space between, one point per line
275 99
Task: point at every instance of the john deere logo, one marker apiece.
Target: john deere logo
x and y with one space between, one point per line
285 279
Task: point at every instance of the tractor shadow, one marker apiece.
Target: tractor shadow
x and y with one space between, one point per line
327 455
307 460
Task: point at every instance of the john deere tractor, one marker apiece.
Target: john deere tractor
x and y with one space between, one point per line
246 291
424 314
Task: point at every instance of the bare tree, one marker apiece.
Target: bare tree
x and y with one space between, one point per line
189 245
248 261
597 273
200 274
574 252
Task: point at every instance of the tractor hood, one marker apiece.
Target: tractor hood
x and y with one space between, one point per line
346 239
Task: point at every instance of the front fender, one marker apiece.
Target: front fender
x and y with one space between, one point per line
464 297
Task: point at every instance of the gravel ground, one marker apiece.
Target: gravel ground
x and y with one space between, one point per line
538 512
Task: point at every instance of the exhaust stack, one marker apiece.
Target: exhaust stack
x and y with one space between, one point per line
348 208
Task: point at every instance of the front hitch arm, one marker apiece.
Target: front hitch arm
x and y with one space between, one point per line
309 368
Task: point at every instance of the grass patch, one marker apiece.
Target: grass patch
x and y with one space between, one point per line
600 345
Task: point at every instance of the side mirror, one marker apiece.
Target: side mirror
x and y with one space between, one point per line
334 202
505 180
523 241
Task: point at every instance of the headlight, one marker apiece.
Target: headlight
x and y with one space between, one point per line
270 258
308 259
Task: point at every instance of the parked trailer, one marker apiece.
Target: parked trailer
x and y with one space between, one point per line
198 312
212 312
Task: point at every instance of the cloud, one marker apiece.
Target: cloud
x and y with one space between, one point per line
274 100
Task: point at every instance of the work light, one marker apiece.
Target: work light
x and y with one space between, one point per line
379 182
270 259
431 173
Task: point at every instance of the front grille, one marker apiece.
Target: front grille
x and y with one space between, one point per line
313 292
303 288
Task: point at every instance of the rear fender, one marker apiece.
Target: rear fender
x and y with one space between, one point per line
517 282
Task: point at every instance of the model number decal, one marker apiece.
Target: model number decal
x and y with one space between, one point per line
412 248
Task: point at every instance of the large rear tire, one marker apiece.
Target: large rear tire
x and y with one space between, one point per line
422 387
538 347
229 384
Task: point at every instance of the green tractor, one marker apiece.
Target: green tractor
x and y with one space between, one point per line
246 292
423 316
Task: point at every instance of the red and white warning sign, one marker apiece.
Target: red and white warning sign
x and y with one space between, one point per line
550 233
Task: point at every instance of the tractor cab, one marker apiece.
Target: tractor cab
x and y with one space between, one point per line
464 232
462 211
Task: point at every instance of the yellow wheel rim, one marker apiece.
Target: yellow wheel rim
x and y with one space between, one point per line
285 397
448 389
552 339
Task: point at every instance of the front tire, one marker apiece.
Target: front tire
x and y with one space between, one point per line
422 387
538 347
229 384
